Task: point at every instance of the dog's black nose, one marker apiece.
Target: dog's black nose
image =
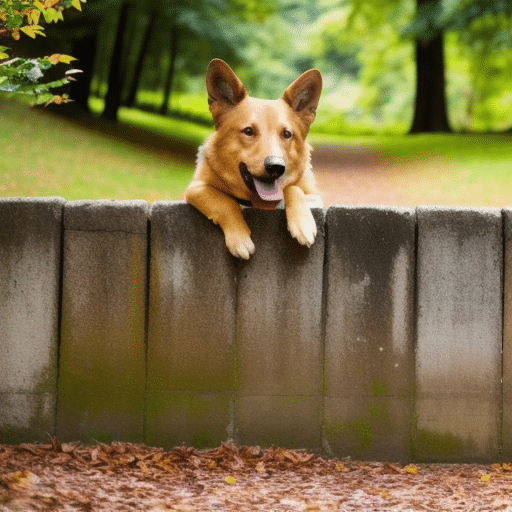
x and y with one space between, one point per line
274 166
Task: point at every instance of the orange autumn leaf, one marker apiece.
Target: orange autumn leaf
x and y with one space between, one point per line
58 57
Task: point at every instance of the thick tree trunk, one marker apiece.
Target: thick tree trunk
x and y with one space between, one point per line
137 71
170 72
430 109
84 50
116 74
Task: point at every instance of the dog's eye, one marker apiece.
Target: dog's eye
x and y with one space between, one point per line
248 131
287 134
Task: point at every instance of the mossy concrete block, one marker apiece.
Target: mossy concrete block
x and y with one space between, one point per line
195 418
102 361
369 339
373 428
507 335
191 340
289 421
279 326
30 244
459 333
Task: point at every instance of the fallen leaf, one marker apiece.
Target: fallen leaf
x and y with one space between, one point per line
260 467
19 480
341 467
231 480
485 478
411 469
389 468
211 464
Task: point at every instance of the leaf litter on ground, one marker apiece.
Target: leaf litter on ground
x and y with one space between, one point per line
131 477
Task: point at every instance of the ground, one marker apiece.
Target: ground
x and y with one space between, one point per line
361 175
128 477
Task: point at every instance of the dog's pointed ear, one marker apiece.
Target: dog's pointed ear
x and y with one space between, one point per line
225 89
304 93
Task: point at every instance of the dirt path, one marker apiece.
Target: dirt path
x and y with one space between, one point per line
353 175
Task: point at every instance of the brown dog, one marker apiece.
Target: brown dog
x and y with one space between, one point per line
257 156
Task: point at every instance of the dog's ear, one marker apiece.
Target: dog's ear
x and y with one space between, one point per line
303 95
225 90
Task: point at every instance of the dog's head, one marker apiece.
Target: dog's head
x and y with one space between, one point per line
261 143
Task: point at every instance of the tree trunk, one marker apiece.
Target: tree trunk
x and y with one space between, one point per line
430 110
84 50
116 75
170 72
137 70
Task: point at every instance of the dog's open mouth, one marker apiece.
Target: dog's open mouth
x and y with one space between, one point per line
268 190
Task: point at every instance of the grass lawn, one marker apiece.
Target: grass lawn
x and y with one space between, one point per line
44 155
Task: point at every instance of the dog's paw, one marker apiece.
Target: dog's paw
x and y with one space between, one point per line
239 245
303 227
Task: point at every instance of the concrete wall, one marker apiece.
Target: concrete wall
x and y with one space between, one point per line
389 339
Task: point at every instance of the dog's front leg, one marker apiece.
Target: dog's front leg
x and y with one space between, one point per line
301 223
226 212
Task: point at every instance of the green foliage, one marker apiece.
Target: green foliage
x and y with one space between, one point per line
441 16
22 76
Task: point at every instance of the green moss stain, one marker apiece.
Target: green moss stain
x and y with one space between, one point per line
197 419
379 389
364 431
345 433
439 446
379 412
358 436
432 446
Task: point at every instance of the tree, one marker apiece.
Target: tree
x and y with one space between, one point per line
22 76
430 108
433 19
117 72
173 54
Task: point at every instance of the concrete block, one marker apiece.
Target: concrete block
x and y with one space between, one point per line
279 326
189 418
191 345
102 360
369 344
507 335
290 421
459 334
30 244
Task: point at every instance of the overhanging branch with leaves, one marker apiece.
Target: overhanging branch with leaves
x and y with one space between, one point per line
22 76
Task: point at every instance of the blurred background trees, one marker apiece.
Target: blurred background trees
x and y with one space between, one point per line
388 65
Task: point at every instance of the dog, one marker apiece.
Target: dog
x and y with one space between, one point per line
258 156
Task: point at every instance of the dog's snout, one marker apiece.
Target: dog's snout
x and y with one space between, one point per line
274 166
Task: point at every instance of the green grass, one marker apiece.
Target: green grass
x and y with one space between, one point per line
167 126
43 155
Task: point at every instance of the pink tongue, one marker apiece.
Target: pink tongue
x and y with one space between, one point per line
269 191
